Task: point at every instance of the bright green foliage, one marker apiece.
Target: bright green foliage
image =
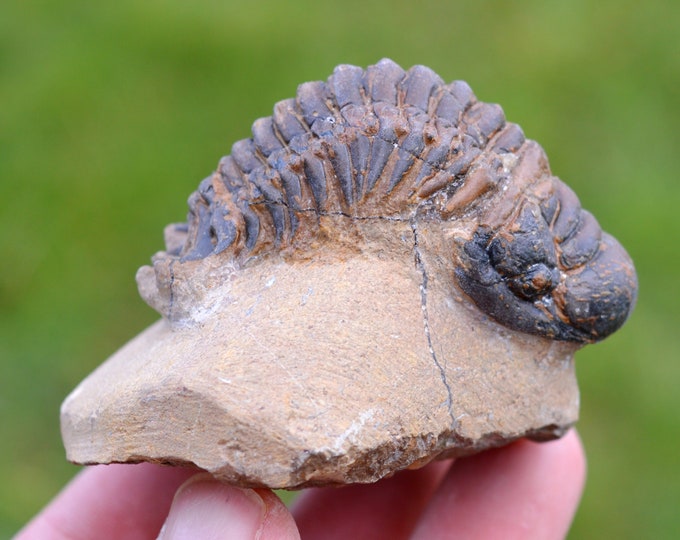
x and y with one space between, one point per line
112 112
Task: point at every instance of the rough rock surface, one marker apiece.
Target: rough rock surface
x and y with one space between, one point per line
387 272
371 364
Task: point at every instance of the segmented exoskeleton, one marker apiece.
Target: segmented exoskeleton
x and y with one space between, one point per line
389 143
374 142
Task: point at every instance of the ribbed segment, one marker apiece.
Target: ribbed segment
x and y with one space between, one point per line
374 142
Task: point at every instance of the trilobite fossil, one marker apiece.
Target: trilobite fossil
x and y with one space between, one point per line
385 273
389 144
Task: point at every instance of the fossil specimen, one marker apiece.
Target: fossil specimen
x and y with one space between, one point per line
385 273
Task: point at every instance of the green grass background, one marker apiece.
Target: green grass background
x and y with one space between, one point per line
112 112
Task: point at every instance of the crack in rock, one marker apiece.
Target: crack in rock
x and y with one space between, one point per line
423 296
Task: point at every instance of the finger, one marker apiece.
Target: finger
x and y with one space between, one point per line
210 510
109 501
386 509
527 490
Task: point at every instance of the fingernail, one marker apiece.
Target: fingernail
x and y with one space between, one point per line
208 509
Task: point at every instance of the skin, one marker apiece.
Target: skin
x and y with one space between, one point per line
526 490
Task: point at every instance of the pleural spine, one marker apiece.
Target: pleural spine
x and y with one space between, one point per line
367 143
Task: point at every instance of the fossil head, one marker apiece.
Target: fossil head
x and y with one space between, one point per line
549 269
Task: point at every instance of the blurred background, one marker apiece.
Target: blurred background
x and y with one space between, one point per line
111 113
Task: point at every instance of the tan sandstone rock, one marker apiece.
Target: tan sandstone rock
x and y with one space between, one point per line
385 274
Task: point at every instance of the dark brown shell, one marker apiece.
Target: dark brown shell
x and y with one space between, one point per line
384 143
365 144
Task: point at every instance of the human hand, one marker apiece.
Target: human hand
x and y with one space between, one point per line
526 490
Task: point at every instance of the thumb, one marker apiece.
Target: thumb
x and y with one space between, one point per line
205 508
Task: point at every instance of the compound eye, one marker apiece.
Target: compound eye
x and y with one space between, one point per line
537 281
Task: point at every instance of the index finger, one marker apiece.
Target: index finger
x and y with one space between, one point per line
526 490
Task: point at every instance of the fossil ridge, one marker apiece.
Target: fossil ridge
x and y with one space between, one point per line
386 273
